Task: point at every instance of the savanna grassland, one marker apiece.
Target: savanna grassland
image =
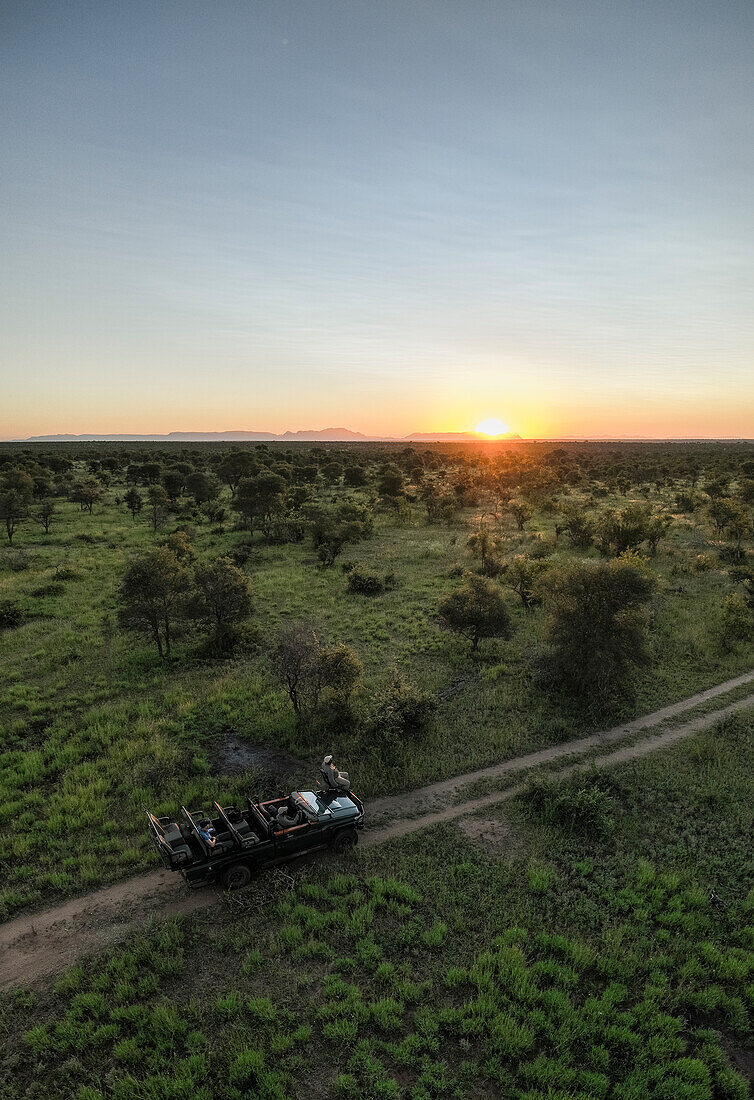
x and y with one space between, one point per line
362 543
602 946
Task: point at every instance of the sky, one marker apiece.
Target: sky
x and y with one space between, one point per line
386 215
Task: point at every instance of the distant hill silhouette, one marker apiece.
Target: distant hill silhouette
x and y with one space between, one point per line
312 435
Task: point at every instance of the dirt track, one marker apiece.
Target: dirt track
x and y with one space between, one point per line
33 947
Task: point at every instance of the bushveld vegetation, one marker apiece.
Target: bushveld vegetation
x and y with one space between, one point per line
608 952
365 546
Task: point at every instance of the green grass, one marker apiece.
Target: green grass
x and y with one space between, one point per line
95 728
589 966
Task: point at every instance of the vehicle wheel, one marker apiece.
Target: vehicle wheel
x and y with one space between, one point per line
236 876
345 841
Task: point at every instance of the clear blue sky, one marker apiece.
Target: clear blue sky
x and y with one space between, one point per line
391 216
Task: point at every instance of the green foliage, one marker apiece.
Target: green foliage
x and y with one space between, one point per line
11 615
365 582
596 626
150 596
400 712
476 610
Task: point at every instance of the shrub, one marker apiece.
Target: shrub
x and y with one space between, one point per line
11 615
364 582
401 710
577 804
737 625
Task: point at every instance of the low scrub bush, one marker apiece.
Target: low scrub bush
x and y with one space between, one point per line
11 615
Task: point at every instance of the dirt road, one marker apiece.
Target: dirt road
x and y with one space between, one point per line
36 946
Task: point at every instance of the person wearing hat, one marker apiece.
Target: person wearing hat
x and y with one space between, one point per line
332 778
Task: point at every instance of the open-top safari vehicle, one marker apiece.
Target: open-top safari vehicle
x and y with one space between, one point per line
228 844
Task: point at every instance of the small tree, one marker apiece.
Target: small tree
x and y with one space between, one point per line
578 527
521 511
86 494
476 610
523 575
597 627
151 595
313 672
134 502
390 486
202 487
13 511
158 503
223 600
487 547
620 530
45 515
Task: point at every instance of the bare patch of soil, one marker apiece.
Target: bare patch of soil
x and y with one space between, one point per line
494 836
234 757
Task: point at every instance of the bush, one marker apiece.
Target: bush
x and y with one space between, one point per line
364 582
576 804
401 711
11 615
737 623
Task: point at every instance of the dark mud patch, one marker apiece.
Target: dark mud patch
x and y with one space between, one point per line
234 757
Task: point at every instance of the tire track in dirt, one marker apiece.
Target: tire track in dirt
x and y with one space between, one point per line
35 946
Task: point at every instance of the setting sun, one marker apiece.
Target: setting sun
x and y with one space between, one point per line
492 426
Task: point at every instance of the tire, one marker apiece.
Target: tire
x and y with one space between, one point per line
236 876
345 841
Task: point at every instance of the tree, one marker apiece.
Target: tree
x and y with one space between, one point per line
354 477
173 482
151 595
234 466
46 514
313 672
482 544
158 502
259 499
134 502
390 485
86 494
620 530
202 487
523 575
578 527
721 511
20 482
332 528
476 610
332 472
222 601
597 627
13 510
657 528
521 511
442 506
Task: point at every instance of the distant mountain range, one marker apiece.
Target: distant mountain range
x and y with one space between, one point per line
327 435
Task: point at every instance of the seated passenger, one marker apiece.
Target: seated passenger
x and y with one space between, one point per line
334 779
207 833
